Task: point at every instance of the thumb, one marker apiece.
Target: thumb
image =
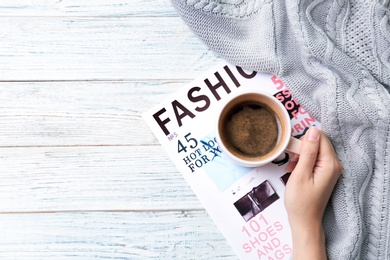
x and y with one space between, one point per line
309 151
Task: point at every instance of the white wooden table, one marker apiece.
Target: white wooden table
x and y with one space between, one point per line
81 175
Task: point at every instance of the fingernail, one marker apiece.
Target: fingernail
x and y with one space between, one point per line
313 134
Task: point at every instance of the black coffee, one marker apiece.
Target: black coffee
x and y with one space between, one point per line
250 129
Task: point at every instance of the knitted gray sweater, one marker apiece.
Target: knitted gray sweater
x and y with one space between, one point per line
334 56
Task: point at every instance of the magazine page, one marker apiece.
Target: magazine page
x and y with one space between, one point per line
247 204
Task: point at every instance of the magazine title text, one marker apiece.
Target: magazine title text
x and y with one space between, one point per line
201 101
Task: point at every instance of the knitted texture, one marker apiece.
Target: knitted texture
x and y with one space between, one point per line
334 56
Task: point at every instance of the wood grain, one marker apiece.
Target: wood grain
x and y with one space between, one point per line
135 178
112 235
79 113
81 175
77 8
99 48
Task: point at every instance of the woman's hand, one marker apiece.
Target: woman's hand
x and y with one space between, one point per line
308 190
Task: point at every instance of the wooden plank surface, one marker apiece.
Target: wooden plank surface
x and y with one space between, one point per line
69 113
99 48
112 235
81 175
135 178
77 8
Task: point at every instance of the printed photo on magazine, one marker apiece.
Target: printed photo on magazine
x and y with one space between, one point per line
247 204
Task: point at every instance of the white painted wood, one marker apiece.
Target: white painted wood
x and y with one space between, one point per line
112 235
81 175
79 113
136 178
76 8
100 48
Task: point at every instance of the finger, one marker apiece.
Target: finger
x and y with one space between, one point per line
290 166
292 163
327 157
309 152
326 148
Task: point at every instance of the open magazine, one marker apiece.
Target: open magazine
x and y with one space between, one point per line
247 204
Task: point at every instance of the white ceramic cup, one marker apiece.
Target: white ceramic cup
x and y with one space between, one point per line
285 142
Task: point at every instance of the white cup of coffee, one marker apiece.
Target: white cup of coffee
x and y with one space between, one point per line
254 128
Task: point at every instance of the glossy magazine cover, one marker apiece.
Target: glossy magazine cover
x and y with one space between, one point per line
247 204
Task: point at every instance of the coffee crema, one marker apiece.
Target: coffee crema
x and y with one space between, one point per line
251 129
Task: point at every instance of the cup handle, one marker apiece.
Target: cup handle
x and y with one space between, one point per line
294 145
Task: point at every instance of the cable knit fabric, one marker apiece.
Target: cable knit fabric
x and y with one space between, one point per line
334 56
